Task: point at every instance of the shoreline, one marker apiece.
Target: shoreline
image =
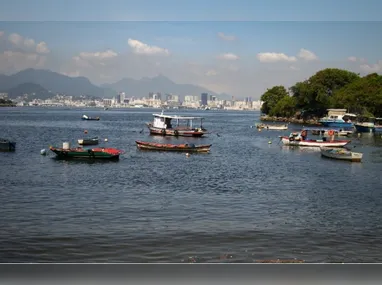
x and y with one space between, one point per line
312 122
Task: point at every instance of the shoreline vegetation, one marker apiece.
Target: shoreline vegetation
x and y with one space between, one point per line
307 101
7 103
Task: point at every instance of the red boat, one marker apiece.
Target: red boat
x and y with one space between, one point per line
92 153
173 147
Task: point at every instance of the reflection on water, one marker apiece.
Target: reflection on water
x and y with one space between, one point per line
247 198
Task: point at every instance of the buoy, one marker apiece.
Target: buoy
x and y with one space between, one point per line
106 140
187 154
43 152
270 142
85 131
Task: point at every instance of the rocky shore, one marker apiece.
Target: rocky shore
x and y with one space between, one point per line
290 120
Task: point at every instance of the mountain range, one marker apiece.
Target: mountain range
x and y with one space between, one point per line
45 82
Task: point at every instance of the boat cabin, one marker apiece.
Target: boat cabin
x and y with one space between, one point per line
175 122
340 114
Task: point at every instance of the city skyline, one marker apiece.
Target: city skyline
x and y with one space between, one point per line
240 58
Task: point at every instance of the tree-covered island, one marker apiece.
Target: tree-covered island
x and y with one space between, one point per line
307 101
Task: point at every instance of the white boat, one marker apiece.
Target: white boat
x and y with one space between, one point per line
299 139
272 127
164 125
341 154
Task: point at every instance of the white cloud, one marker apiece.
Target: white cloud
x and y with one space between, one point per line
292 67
42 48
211 72
16 39
228 56
226 37
352 58
12 61
307 55
27 43
371 68
142 48
274 57
99 55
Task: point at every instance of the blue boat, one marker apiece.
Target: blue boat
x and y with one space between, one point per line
338 118
378 125
365 125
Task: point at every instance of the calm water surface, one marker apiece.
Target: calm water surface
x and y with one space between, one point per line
247 200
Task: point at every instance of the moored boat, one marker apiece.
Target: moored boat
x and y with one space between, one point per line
272 127
378 125
88 141
87 118
341 154
7 145
338 118
325 131
93 153
173 147
162 125
300 139
365 125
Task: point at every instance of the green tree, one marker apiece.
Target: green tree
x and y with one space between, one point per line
285 107
314 95
271 97
363 96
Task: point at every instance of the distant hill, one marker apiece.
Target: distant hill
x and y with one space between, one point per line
160 83
55 82
29 88
81 86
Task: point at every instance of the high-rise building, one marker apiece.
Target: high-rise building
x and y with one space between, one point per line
204 98
121 97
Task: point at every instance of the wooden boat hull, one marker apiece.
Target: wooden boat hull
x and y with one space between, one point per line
314 143
341 154
176 132
92 141
6 145
172 147
95 153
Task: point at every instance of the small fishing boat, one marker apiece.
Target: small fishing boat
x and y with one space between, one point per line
88 141
341 154
7 145
272 127
93 153
173 147
300 139
87 118
162 125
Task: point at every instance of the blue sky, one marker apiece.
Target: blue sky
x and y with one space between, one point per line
77 35
192 10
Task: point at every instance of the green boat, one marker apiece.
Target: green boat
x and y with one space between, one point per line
92 153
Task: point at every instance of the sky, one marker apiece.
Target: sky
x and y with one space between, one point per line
235 47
